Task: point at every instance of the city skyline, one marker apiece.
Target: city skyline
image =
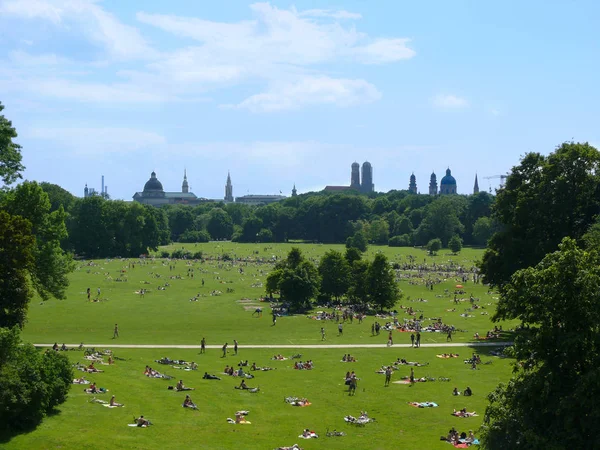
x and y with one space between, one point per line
286 92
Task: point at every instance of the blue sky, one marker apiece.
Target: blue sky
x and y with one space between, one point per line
282 93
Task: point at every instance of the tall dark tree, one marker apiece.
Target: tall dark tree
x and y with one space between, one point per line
335 275
545 199
383 291
220 225
551 401
10 152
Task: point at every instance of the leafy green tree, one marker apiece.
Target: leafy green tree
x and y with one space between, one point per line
16 259
434 246
180 220
32 383
10 152
58 196
193 236
482 231
442 219
551 401
300 285
379 231
545 199
359 283
264 235
220 225
403 226
401 241
381 281
49 273
335 275
273 280
358 241
455 244
352 254
251 228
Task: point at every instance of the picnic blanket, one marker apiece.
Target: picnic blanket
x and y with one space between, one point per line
312 435
423 404
110 406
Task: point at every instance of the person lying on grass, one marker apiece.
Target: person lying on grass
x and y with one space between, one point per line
81 380
244 387
263 369
181 387
463 413
113 402
210 377
423 404
298 401
188 403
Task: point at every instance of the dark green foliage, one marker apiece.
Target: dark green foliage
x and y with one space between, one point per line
455 244
32 383
545 199
383 292
401 241
10 152
335 275
441 219
17 246
181 254
434 246
359 283
482 231
58 196
358 241
220 225
552 400
352 254
264 235
192 236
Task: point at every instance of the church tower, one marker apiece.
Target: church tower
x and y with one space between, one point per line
86 191
433 186
185 187
367 185
294 191
412 186
355 176
476 187
228 189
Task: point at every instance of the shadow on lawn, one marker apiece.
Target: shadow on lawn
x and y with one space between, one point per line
6 434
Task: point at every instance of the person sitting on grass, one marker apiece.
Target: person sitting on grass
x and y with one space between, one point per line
468 392
113 402
455 392
142 422
181 387
188 403
243 385
210 377
193 366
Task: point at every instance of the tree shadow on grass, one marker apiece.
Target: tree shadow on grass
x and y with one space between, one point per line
8 433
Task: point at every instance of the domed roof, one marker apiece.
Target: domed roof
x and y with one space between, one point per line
448 179
153 184
355 165
366 164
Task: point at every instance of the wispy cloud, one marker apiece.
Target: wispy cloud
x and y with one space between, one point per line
449 101
310 91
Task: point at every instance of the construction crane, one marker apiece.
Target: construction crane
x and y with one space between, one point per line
502 178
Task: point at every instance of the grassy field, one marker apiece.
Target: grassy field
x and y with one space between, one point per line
164 317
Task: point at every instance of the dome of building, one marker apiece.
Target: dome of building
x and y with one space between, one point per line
153 185
366 164
448 179
355 165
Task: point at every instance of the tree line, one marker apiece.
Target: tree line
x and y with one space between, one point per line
99 227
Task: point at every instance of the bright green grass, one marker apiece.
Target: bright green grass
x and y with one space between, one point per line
81 424
168 317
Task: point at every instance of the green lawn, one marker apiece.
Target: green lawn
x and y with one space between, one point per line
169 317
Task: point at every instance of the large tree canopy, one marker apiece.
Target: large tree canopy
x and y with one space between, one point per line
546 198
551 402
10 152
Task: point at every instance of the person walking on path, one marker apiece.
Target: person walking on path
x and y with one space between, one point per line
412 340
390 340
449 337
412 375
235 346
116 332
203 345
224 350
418 339
322 333
388 376
274 318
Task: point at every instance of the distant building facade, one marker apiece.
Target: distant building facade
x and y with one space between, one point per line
448 184
365 185
412 185
228 189
257 200
154 194
433 186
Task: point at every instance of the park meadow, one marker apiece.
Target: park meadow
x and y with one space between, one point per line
160 302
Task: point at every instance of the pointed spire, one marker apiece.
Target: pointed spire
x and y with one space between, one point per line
476 186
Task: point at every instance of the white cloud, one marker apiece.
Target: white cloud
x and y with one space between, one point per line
290 51
448 101
310 91
87 17
90 140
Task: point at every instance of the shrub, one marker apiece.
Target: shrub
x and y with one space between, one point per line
193 236
181 254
